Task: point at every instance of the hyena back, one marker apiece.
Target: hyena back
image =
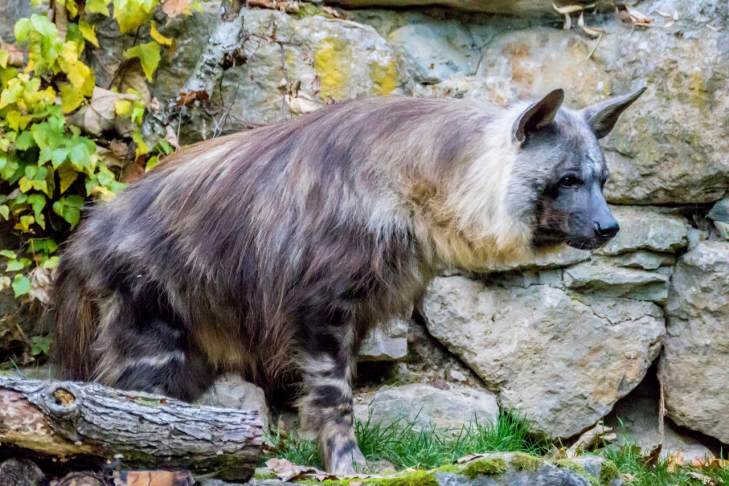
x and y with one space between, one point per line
270 253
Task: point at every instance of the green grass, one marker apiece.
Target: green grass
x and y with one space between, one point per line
630 462
402 444
405 446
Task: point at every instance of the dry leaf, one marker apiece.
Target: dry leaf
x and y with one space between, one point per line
591 439
171 137
591 31
173 8
286 470
133 78
570 9
184 99
99 115
15 55
302 103
633 16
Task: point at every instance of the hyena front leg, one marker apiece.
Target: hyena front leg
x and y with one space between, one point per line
326 408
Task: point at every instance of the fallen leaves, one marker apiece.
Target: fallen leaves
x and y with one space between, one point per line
632 16
593 438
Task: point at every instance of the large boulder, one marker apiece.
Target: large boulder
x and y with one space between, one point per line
696 349
558 358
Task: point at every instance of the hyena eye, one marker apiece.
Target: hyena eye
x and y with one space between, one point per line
570 181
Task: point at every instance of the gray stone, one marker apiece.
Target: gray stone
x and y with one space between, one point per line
386 342
560 359
557 257
518 469
600 276
645 228
509 7
696 349
434 52
635 419
231 391
719 214
643 259
425 405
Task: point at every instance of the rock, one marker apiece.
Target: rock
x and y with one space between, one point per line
635 419
557 358
643 259
434 52
719 214
509 7
289 59
386 342
21 472
645 228
231 391
425 405
514 468
558 257
696 349
600 276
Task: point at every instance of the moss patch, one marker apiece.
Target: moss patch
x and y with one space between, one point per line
384 77
608 472
484 467
331 62
525 462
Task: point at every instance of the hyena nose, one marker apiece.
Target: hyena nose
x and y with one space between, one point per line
609 229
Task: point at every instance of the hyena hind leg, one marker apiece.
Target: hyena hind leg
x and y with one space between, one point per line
142 352
326 408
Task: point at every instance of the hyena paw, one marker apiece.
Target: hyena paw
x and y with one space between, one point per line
347 461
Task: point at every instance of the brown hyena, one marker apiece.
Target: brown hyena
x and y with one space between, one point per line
271 252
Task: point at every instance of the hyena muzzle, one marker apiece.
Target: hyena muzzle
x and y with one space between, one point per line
270 253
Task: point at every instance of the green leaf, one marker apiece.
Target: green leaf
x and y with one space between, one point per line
69 208
4 211
39 345
37 202
17 265
24 141
8 254
148 55
52 262
21 285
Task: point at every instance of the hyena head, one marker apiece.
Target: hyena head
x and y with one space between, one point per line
560 170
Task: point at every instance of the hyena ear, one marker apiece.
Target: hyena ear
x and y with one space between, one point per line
537 116
602 116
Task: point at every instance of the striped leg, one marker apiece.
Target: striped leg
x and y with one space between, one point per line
147 353
327 409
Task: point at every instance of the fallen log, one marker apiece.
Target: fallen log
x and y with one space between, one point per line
69 420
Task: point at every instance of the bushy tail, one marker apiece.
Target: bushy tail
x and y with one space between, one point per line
76 323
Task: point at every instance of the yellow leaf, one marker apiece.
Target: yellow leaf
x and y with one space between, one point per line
67 177
16 120
25 184
131 14
123 107
148 55
79 75
4 56
98 7
88 32
24 223
72 8
71 98
165 41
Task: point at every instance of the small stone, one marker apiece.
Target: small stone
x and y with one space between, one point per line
425 406
20 472
231 391
601 277
386 342
645 228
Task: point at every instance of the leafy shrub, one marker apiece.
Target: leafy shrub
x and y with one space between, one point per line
49 168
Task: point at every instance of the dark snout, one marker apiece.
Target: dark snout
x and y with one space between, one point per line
604 225
594 224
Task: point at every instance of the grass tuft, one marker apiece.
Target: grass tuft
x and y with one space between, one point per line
404 445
